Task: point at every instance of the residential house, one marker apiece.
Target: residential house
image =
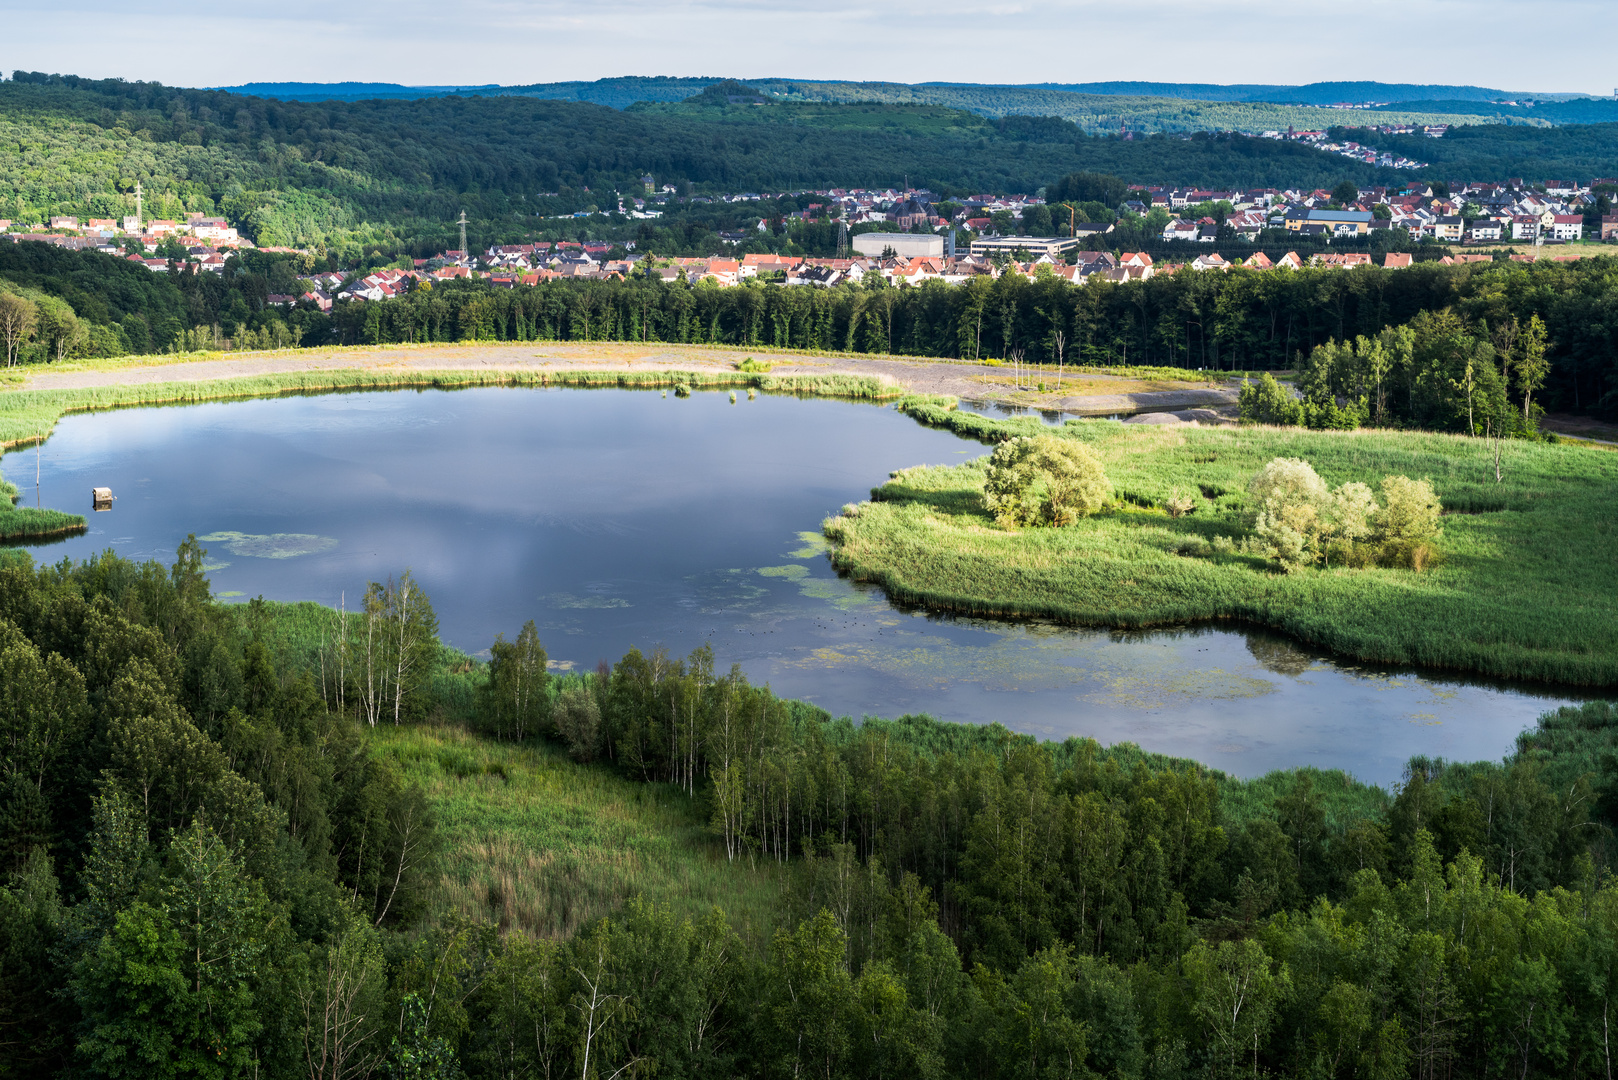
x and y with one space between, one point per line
1345 261
215 229
1258 261
1289 261
1448 227
1567 227
1609 226
1211 261
1335 222
1180 230
1397 260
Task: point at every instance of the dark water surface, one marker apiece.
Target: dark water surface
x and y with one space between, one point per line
618 518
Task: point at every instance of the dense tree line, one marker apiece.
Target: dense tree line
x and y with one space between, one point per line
182 818
1468 333
206 873
1469 327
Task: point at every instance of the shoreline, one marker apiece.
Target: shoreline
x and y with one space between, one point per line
25 414
1499 608
110 384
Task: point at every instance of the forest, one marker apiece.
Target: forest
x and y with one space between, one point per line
211 868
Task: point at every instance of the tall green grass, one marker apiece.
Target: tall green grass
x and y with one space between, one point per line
537 842
24 414
1528 588
533 840
31 523
19 523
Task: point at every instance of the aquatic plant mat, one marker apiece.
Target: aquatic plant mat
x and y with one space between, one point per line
1528 588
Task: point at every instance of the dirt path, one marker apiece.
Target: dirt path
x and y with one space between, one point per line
1092 394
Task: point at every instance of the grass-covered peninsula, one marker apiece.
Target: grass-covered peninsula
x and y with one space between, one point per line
1527 587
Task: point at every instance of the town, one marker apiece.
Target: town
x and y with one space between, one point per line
910 236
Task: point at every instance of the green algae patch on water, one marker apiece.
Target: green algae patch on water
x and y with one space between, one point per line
585 603
838 593
271 546
812 544
793 572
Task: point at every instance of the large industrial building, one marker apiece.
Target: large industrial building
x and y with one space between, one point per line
1035 246
907 245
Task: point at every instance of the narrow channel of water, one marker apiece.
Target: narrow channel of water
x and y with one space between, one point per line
620 518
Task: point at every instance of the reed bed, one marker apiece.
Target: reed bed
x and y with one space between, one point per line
19 523
1528 588
27 414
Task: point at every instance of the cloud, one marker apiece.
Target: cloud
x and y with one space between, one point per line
195 43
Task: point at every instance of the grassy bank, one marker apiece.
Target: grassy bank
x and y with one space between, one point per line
25 414
1528 589
537 842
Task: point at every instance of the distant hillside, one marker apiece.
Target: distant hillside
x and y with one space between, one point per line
616 93
1094 107
1320 93
629 89
345 91
378 172
1103 113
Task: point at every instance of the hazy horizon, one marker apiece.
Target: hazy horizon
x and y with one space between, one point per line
511 42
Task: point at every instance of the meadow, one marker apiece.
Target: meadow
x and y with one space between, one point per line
537 843
1527 587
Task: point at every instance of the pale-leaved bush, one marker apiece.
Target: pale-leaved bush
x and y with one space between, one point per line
1299 520
1043 480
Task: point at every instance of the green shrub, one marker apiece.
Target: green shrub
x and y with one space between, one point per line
1410 512
1329 416
1268 402
1043 480
577 719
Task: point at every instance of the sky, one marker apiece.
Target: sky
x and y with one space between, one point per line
461 42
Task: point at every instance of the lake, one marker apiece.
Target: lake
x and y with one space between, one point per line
618 518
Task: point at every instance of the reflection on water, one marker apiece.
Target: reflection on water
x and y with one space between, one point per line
615 518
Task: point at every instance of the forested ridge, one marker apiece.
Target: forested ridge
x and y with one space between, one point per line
208 871
395 172
1097 107
299 173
